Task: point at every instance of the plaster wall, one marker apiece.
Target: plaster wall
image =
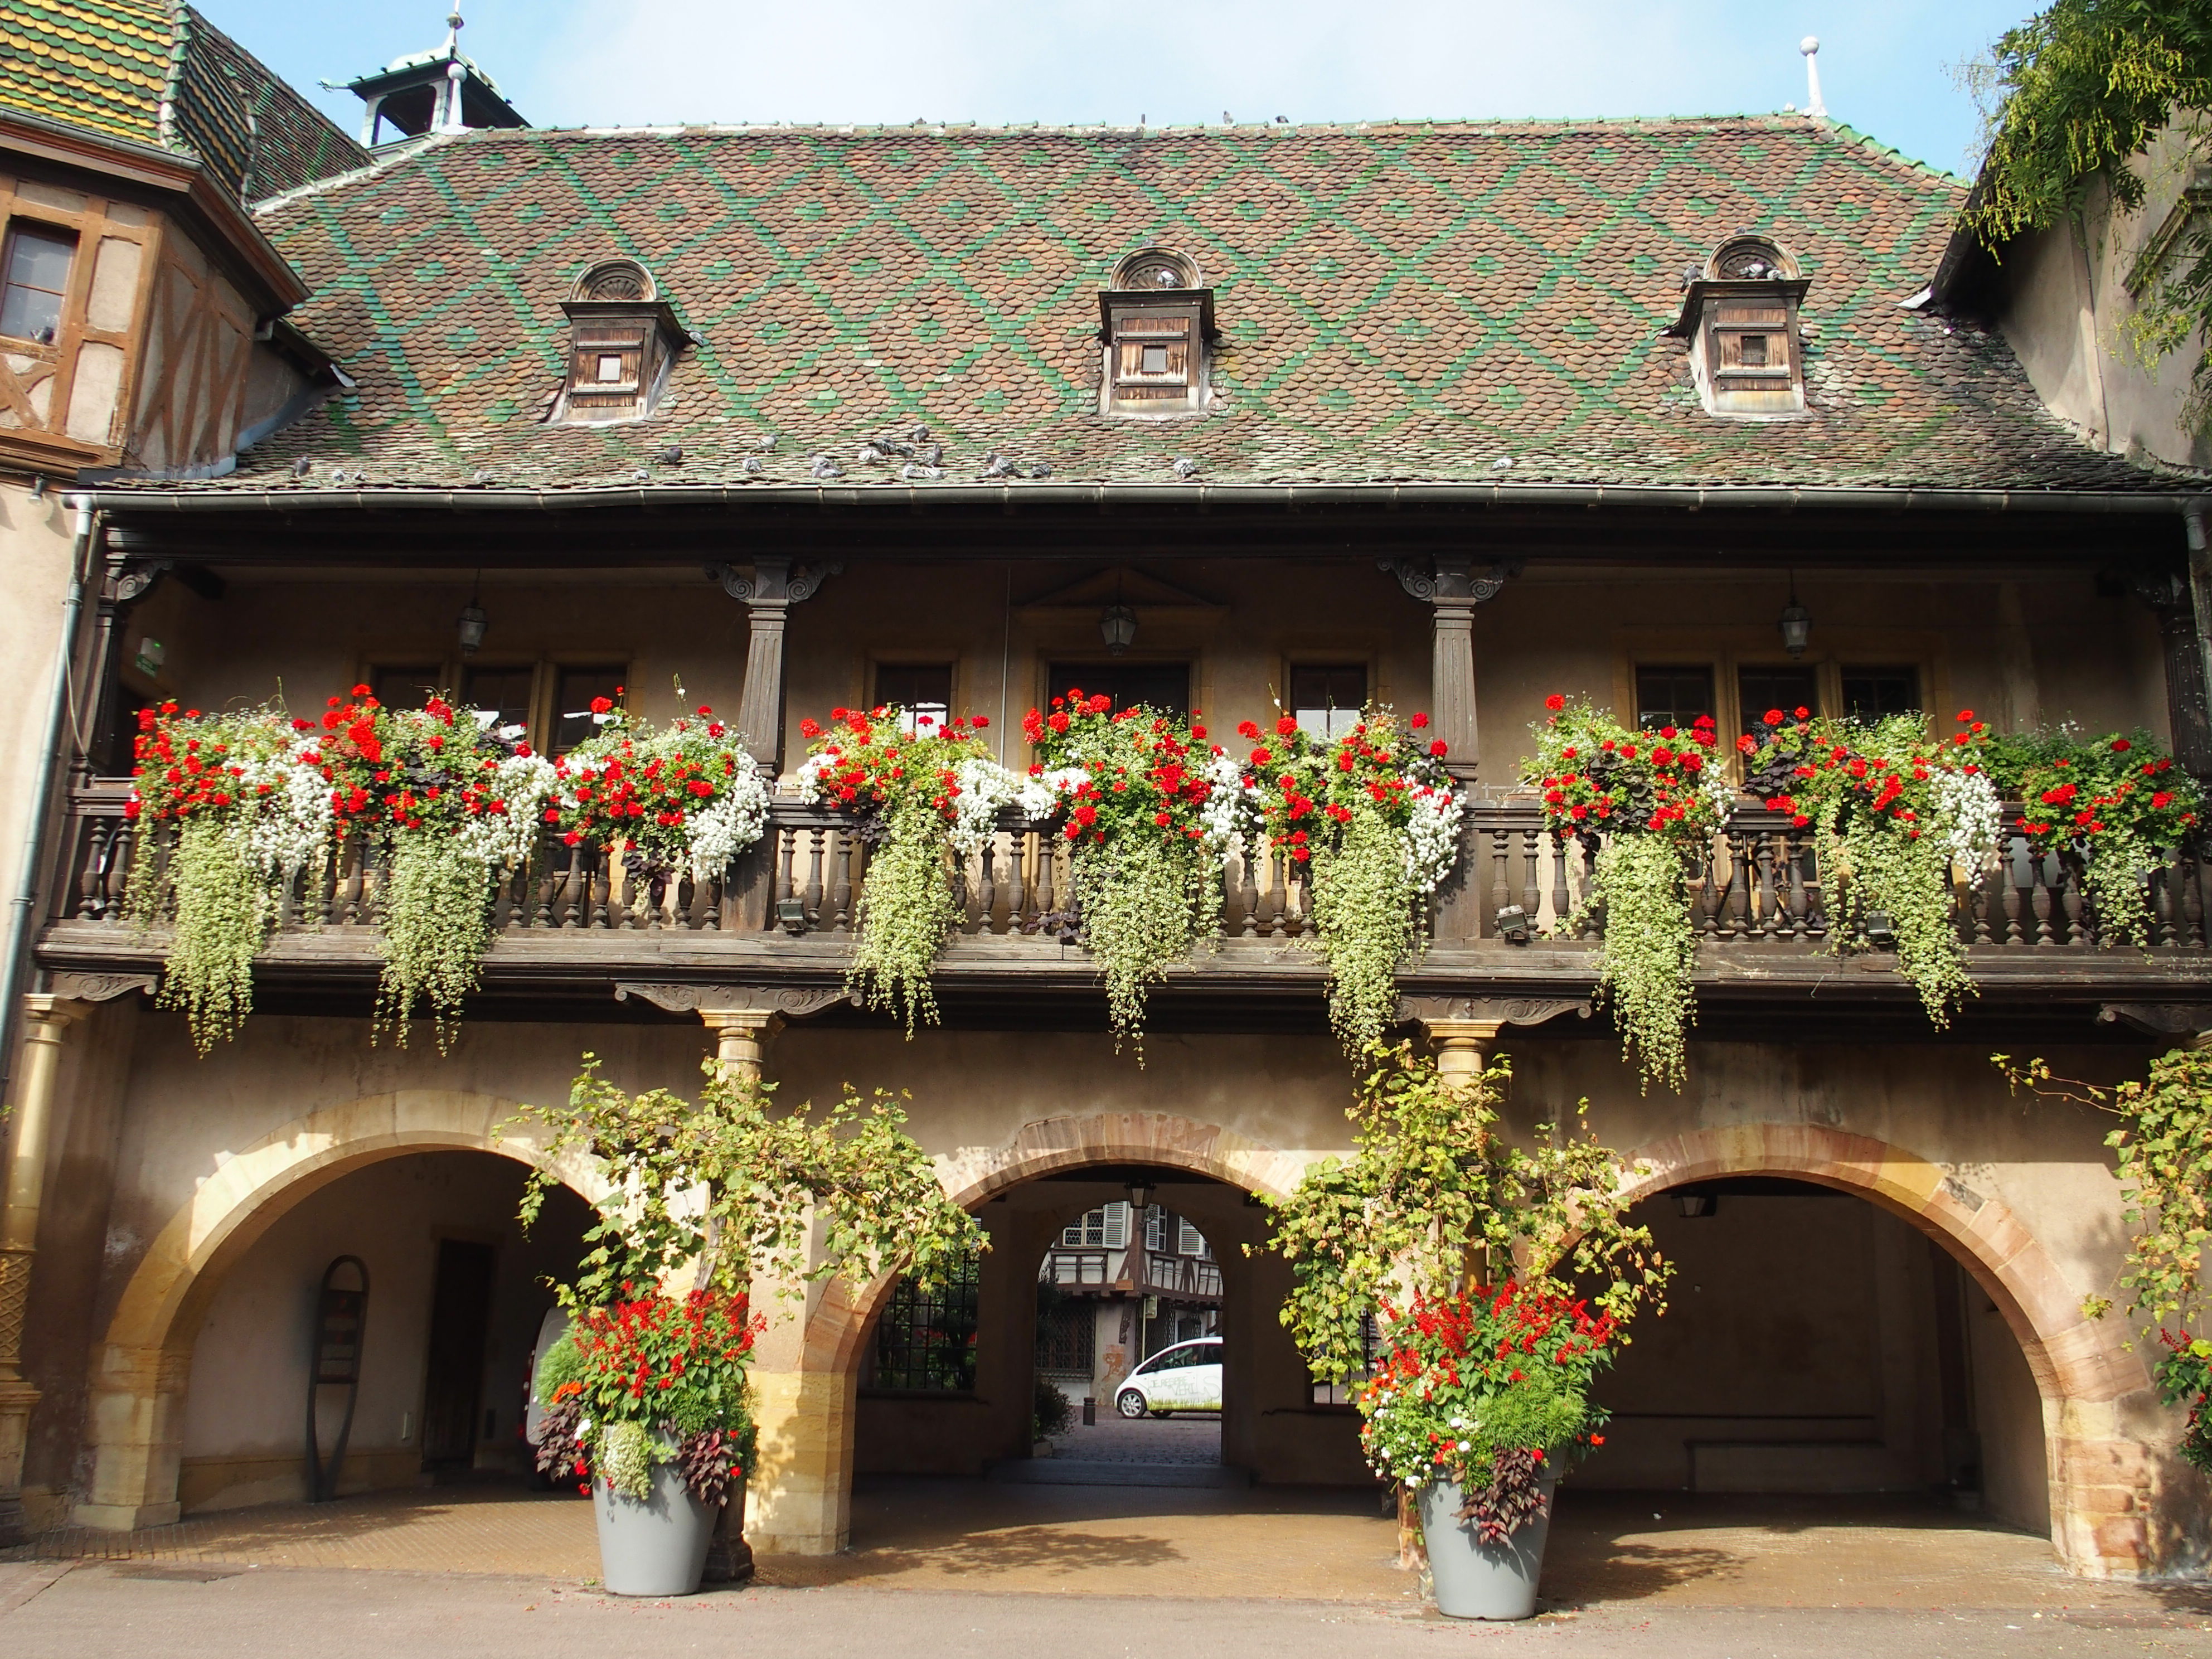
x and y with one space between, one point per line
244 1420
37 539
2036 646
2066 301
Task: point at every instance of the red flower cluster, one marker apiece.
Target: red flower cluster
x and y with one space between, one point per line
1145 773
1306 786
634 1352
1799 763
627 789
871 759
1595 775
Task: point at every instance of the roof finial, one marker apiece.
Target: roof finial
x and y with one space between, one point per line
454 30
1810 46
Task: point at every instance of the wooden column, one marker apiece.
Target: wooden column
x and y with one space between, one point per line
45 1020
1452 587
768 591
2171 598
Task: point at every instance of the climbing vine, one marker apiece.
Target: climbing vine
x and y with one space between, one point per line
2164 1147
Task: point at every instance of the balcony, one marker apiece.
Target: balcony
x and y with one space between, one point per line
575 921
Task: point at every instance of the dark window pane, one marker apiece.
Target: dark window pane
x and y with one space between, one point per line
1065 1336
37 277
573 691
919 688
1763 690
504 691
1162 686
1673 696
403 686
1328 701
1870 693
927 1339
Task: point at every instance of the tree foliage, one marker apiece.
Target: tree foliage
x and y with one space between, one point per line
2077 93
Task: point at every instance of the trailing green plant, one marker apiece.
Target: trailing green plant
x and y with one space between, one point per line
1894 814
1151 810
2164 1148
1646 804
722 1192
1375 820
920 795
2078 93
2116 802
231 808
1440 1230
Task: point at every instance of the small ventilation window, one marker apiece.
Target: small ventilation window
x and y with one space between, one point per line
1739 316
1155 322
623 338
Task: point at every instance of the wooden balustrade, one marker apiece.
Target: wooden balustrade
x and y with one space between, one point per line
1759 884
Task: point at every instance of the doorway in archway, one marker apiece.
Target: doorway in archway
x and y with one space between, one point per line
457 1295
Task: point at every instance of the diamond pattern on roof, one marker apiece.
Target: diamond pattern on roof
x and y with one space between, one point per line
1397 302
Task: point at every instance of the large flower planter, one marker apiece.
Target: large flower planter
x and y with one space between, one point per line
656 1547
1482 1581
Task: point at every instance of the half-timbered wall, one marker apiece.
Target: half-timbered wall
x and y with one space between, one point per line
60 401
199 347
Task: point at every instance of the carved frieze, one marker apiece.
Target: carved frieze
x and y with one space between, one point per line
100 987
791 1001
1503 1011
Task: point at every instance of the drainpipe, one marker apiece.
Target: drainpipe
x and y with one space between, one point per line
22 919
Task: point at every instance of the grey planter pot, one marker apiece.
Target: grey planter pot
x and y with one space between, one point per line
658 1547
1482 1581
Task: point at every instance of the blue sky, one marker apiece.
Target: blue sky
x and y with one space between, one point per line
1886 65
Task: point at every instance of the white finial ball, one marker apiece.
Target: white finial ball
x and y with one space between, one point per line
1810 44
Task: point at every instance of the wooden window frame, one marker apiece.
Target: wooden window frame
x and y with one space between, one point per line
17 225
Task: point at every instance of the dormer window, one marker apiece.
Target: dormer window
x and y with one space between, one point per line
623 339
1155 322
1739 316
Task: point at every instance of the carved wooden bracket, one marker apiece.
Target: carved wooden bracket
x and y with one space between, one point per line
1490 1011
791 1001
1448 580
2158 1018
773 580
100 987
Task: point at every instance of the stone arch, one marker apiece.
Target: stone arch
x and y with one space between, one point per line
806 1384
2090 1383
135 1418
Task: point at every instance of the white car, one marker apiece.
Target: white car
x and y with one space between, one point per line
1184 1378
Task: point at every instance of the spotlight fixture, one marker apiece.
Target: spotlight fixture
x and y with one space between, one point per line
1881 931
1513 924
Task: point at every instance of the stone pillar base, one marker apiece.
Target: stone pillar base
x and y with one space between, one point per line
799 1499
17 1400
122 1517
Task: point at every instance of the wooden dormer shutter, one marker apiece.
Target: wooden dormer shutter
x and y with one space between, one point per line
1155 354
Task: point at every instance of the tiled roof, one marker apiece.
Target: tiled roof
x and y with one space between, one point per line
106 65
1430 302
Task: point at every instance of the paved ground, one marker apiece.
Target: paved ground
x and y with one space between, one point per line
987 1569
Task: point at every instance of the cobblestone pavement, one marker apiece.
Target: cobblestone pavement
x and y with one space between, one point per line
1146 1440
125 1610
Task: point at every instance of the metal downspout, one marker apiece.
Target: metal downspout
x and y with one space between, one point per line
22 919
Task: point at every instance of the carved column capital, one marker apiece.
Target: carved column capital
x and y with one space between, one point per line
1449 581
1464 1031
772 581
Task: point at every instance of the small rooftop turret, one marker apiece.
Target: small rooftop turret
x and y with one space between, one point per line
441 90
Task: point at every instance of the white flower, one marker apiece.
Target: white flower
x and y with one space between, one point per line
986 789
290 828
813 770
1433 835
495 840
732 823
1230 809
1967 812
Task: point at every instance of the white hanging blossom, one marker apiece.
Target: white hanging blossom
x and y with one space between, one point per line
1432 837
289 829
1230 808
1968 813
499 840
732 823
1040 794
984 789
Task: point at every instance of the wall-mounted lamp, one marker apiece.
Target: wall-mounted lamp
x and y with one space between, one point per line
1695 1206
1797 624
1513 924
1140 1195
1118 626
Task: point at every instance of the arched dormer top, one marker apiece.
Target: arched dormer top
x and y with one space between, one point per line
1151 270
1749 258
623 281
